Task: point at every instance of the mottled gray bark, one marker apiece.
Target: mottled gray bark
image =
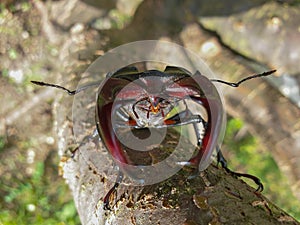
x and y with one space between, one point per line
214 197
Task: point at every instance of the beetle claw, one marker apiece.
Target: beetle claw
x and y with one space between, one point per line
106 206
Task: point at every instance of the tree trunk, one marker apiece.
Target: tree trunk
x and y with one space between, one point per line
213 197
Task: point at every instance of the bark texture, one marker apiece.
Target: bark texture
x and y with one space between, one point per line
213 197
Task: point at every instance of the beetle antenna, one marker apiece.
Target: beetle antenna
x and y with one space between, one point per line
63 88
264 74
55 86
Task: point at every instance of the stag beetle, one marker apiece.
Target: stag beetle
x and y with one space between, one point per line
148 101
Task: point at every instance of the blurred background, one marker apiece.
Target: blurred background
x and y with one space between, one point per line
55 40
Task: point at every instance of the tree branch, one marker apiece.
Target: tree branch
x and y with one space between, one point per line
213 197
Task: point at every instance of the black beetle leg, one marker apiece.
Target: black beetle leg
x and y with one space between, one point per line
106 199
223 162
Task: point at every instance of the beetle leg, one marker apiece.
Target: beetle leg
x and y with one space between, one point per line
183 118
133 110
195 160
223 162
195 120
200 134
106 199
174 121
134 105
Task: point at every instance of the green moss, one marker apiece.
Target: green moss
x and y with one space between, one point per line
2 143
12 54
37 199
